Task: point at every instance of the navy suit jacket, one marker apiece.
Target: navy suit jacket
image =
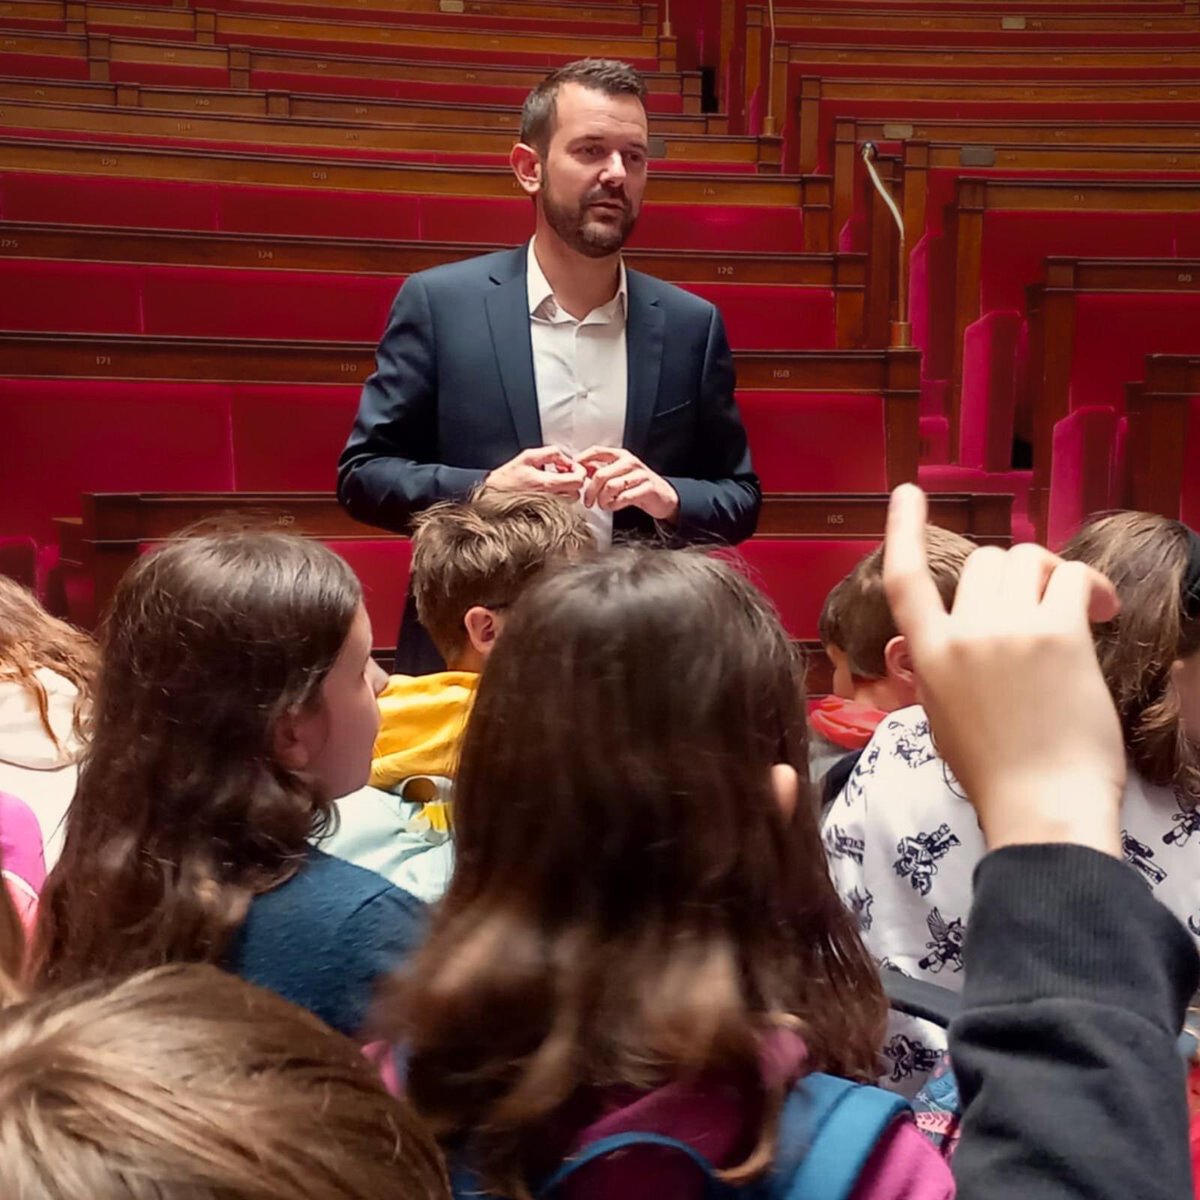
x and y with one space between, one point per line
453 396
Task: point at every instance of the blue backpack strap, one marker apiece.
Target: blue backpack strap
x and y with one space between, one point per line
827 1131
602 1147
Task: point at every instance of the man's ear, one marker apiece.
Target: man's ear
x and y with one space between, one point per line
899 661
291 740
526 163
483 628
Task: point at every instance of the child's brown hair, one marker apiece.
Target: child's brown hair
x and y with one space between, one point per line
631 904
857 618
185 1083
182 814
1146 557
485 551
30 640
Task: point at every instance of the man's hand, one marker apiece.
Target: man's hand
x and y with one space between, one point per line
544 469
1009 678
619 479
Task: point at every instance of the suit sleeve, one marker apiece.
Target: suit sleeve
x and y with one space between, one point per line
1076 984
388 472
721 502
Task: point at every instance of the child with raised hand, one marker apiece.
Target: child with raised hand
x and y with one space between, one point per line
46 675
1076 978
640 934
236 700
183 1083
903 838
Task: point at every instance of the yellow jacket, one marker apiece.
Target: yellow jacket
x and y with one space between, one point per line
423 718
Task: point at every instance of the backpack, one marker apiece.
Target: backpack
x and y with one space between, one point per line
827 1131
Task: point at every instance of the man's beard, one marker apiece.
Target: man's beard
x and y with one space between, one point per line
590 237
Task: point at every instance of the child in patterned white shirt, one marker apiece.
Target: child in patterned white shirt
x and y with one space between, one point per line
903 841
872 673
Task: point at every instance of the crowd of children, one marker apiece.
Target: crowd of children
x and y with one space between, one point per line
569 918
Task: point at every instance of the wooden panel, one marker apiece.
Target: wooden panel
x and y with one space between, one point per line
89 243
347 109
792 21
246 360
243 28
358 135
105 541
143 162
1159 411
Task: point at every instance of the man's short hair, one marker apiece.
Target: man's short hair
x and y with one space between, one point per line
485 551
605 75
856 617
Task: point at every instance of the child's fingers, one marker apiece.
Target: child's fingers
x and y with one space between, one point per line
913 596
1077 591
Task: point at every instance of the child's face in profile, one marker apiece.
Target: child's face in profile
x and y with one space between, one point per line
340 735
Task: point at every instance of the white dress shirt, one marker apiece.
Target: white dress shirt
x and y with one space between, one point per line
580 370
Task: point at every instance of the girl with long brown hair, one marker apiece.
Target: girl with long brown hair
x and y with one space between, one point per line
183 1083
235 703
641 933
46 673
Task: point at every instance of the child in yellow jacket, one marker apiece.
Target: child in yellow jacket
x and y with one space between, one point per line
471 561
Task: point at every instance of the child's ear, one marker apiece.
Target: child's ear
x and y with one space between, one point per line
483 627
898 659
527 167
785 783
290 741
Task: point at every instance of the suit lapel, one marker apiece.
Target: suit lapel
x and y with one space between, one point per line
644 349
507 308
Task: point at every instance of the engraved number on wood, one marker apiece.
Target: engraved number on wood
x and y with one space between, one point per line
104 360
264 255
835 519
781 373
9 244
320 174
285 519
183 126
724 270
203 102
108 161
708 191
360 111
348 368
1184 276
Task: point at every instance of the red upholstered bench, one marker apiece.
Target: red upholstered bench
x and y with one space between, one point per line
797 574
198 301
247 208
816 441
287 437
71 436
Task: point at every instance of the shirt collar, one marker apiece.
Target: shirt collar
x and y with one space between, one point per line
541 295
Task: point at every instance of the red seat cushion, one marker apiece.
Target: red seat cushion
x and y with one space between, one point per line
1081 474
760 316
288 437
816 441
797 575
382 565
94 435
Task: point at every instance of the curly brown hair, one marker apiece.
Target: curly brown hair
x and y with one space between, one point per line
32 640
182 813
630 903
1146 557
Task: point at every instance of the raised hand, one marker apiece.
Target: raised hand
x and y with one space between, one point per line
1016 701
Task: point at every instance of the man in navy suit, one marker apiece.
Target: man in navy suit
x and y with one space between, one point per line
552 367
